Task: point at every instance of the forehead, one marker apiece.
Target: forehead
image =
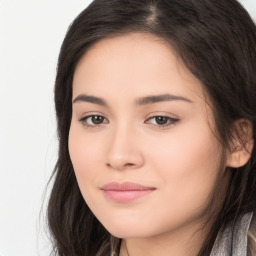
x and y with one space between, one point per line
135 63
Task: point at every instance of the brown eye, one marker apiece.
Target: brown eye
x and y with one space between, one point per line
97 119
161 120
93 120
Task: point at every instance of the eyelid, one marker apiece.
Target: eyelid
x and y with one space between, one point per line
84 119
172 121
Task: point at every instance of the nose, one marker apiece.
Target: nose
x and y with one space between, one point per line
124 151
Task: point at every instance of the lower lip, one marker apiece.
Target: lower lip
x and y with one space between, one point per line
126 196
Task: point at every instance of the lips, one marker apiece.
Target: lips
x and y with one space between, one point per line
126 191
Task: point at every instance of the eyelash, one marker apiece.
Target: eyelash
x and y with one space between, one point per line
84 122
171 121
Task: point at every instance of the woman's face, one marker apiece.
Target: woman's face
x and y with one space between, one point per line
139 116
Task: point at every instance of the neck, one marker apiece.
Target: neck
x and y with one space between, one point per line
175 243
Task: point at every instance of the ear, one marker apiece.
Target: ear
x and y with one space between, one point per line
241 145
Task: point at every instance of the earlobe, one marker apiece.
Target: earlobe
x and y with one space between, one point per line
242 144
240 156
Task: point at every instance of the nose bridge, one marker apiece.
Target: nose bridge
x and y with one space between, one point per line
124 150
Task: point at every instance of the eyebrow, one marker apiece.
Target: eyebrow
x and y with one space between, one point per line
139 102
91 99
158 98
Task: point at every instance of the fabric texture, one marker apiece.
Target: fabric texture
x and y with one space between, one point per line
233 240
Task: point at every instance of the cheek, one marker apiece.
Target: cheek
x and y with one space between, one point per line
85 157
83 152
188 150
188 165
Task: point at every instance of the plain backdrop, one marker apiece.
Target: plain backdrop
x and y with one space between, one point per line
31 32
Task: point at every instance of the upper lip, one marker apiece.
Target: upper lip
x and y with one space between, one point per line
125 186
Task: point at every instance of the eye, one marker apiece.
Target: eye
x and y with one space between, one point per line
93 120
162 121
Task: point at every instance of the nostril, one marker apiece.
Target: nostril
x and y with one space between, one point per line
120 166
129 164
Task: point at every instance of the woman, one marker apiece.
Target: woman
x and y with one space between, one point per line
155 103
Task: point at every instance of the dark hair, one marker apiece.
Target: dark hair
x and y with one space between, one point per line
216 40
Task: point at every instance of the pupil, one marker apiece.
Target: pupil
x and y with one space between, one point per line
97 119
161 120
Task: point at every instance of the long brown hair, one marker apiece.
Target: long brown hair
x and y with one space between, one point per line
217 42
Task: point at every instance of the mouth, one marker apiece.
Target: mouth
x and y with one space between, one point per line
126 191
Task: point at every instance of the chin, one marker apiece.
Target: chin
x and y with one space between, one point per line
126 230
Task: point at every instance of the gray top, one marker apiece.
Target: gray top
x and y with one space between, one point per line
226 245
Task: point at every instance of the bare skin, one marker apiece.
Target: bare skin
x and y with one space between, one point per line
163 142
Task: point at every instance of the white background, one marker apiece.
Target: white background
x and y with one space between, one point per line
31 32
